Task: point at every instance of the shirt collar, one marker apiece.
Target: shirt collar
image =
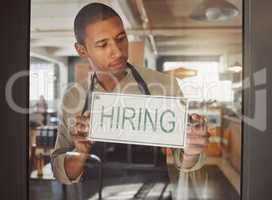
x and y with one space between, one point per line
86 83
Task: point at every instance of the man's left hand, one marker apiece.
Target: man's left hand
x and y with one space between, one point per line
197 138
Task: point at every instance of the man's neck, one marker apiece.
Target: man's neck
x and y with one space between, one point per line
109 81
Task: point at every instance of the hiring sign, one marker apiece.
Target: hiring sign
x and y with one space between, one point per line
138 119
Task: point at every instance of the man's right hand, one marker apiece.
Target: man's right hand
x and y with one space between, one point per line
80 131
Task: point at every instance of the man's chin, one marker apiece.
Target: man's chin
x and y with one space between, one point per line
119 70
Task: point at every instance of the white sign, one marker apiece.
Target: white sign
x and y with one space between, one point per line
139 119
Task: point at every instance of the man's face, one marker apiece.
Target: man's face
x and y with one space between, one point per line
106 45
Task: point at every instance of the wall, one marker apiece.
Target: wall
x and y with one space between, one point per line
62 63
150 59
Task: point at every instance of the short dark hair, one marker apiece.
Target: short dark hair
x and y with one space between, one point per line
91 13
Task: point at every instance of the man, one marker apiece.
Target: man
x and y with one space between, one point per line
102 40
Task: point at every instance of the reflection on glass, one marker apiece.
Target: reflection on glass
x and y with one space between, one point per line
163 36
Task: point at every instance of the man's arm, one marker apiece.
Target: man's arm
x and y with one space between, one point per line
192 157
68 162
74 164
68 167
75 161
187 163
58 157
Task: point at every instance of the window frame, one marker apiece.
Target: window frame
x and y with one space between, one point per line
256 163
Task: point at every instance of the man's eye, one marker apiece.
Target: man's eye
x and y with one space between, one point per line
121 38
102 45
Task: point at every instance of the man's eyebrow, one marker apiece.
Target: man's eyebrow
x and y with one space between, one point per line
105 39
101 40
121 33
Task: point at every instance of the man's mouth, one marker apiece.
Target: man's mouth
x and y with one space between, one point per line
117 65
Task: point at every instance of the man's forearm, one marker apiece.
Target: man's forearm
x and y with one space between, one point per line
189 161
73 165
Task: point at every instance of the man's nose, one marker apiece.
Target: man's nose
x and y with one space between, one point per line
115 51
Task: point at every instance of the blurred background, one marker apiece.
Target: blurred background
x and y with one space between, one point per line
197 41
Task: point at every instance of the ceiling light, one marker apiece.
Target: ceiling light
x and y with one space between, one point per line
236 67
182 72
214 10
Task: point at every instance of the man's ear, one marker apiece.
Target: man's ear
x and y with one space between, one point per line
81 50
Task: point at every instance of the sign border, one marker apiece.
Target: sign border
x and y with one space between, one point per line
94 94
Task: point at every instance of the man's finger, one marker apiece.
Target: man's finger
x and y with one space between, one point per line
192 135
196 131
86 114
79 132
193 149
82 124
73 131
197 119
83 120
78 116
197 140
78 138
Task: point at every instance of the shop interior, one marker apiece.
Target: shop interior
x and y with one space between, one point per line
198 42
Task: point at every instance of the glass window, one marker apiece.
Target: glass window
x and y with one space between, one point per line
205 84
42 78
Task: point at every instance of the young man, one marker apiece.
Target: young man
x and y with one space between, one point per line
102 40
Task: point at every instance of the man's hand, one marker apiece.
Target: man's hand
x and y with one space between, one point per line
197 138
79 130
79 133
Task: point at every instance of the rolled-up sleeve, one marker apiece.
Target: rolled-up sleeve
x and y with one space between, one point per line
198 162
72 103
63 144
188 165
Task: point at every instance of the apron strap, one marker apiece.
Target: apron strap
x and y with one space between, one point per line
138 78
140 81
